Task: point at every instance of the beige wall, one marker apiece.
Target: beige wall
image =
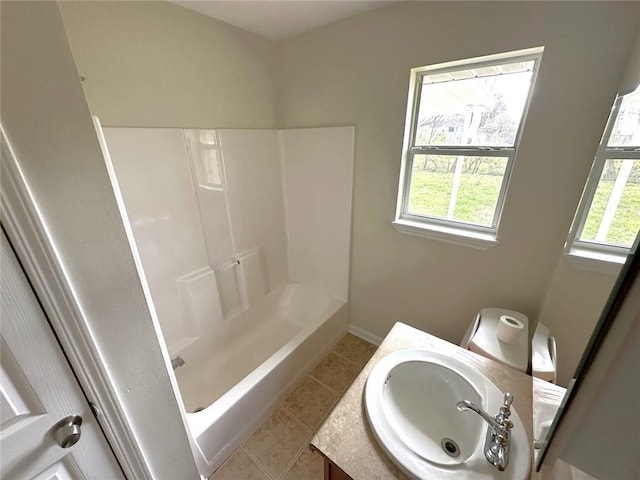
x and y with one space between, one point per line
357 72
154 64
576 297
48 124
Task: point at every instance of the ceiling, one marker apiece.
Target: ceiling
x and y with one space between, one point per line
277 19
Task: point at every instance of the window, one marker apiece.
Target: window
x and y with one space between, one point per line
204 150
463 124
608 217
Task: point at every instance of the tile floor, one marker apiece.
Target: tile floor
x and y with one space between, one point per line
279 448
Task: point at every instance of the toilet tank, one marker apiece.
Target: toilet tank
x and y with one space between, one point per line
543 355
481 339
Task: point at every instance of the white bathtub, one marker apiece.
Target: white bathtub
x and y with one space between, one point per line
254 359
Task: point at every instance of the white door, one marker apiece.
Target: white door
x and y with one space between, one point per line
38 390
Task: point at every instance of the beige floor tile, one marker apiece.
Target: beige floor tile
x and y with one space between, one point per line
355 349
310 402
336 372
277 442
239 467
309 466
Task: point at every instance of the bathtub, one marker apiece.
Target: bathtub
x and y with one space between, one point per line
231 384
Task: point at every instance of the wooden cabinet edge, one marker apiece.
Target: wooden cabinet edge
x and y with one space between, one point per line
331 470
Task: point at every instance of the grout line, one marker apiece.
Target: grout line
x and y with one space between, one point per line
295 386
328 387
325 417
340 392
330 390
341 356
311 432
333 404
357 364
295 457
295 417
224 463
255 460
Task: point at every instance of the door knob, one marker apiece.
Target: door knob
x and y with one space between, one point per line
67 431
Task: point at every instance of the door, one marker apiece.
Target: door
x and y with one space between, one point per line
38 390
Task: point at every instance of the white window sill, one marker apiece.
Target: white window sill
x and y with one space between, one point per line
453 235
585 259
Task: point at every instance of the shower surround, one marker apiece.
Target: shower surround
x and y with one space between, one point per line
244 238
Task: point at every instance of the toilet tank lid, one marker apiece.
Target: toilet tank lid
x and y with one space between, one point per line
486 343
543 354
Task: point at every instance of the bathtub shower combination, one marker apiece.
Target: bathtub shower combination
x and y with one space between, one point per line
244 238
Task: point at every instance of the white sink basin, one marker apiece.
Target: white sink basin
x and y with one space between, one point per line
410 400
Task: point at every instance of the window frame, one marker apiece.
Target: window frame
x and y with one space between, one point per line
593 255
456 231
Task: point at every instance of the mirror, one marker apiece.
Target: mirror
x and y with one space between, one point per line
627 276
608 198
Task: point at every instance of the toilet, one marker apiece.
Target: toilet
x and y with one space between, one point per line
543 354
481 338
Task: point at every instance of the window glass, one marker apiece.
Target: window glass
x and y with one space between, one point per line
626 129
461 137
476 107
608 217
469 196
614 215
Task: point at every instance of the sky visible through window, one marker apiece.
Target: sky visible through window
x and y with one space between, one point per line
481 108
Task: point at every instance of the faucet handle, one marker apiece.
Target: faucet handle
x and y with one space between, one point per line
506 405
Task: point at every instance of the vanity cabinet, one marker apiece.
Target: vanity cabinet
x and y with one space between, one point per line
345 440
333 472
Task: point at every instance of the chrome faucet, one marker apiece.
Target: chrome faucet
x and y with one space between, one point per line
498 439
177 362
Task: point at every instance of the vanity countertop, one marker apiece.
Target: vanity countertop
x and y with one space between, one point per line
345 438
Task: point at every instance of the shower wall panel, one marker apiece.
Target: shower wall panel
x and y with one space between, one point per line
224 217
155 180
318 185
256 204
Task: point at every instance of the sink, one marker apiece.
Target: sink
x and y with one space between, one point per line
410 400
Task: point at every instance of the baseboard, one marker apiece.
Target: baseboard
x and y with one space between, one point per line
365 335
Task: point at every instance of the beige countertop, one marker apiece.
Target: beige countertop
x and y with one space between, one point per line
345 437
